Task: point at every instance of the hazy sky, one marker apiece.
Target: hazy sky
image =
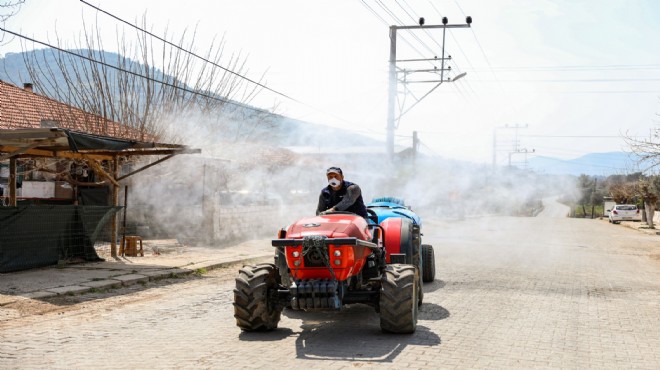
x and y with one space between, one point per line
586 69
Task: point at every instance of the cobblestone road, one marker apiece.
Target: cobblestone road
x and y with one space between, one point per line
511 293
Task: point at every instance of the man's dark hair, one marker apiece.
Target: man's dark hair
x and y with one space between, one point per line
334 169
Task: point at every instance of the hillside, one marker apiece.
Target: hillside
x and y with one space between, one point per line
279 131
593 164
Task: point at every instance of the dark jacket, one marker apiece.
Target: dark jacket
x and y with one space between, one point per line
330 198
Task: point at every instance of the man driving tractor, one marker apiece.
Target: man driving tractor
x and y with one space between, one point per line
340 195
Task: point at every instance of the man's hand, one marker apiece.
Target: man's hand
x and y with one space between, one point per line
327 211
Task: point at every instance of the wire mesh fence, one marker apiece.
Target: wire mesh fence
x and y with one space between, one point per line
42 232
41 235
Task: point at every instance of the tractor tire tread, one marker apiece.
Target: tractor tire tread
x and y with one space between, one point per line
428 256
252 310
398 301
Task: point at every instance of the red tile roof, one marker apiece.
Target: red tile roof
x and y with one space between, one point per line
21 108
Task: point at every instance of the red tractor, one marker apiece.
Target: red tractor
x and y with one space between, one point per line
328 261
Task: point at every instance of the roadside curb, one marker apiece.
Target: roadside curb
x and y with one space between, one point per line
638 226
139 277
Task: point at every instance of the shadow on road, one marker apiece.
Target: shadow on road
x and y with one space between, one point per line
271 336
432 311
352 334
433 286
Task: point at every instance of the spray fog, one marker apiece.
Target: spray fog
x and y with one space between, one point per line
243 186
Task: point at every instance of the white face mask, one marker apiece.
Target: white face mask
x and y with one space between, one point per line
334 182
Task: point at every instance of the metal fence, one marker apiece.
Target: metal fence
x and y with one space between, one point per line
41 235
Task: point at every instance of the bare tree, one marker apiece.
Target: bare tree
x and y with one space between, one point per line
623 193
8 9
646 191
148 82
646 149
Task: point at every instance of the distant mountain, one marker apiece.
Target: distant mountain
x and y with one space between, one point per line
593 164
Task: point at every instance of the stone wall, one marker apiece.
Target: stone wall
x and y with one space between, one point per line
245 222
213 224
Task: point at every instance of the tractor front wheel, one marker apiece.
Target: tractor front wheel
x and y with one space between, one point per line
255 300
398 299
428 256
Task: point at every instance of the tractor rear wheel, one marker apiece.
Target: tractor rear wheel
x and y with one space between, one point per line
398 299
428 258
255 301
417 262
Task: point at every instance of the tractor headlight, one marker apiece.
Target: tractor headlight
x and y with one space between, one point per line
296 263
337 253
296 254
337 262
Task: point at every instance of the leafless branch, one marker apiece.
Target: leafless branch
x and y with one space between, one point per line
132 94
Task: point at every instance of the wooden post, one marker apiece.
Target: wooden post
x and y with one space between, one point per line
115 202
12 182
206 231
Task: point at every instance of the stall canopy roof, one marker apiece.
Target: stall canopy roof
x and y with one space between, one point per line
56 142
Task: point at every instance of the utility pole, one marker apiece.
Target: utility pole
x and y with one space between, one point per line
392 92
415 148
516 143
391 96
523 150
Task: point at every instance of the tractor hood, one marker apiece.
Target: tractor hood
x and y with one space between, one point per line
331 226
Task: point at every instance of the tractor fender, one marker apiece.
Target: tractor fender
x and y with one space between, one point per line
398 237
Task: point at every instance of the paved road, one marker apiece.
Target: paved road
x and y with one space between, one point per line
511 293
553 209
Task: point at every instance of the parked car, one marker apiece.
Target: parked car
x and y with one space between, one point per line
624 212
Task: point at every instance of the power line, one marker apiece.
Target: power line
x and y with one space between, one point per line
188 51
426 31
400 22
576 136
458 44
429 148
483 52
576 162
374 12
413 34
569 68
178 87
478 43
592 92
164 83
583 80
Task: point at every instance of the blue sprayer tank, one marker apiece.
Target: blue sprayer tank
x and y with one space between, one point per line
386 207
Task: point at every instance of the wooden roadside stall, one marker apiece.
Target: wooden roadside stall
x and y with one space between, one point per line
100 153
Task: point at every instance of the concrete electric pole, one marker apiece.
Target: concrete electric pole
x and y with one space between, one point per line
391 98
516 143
